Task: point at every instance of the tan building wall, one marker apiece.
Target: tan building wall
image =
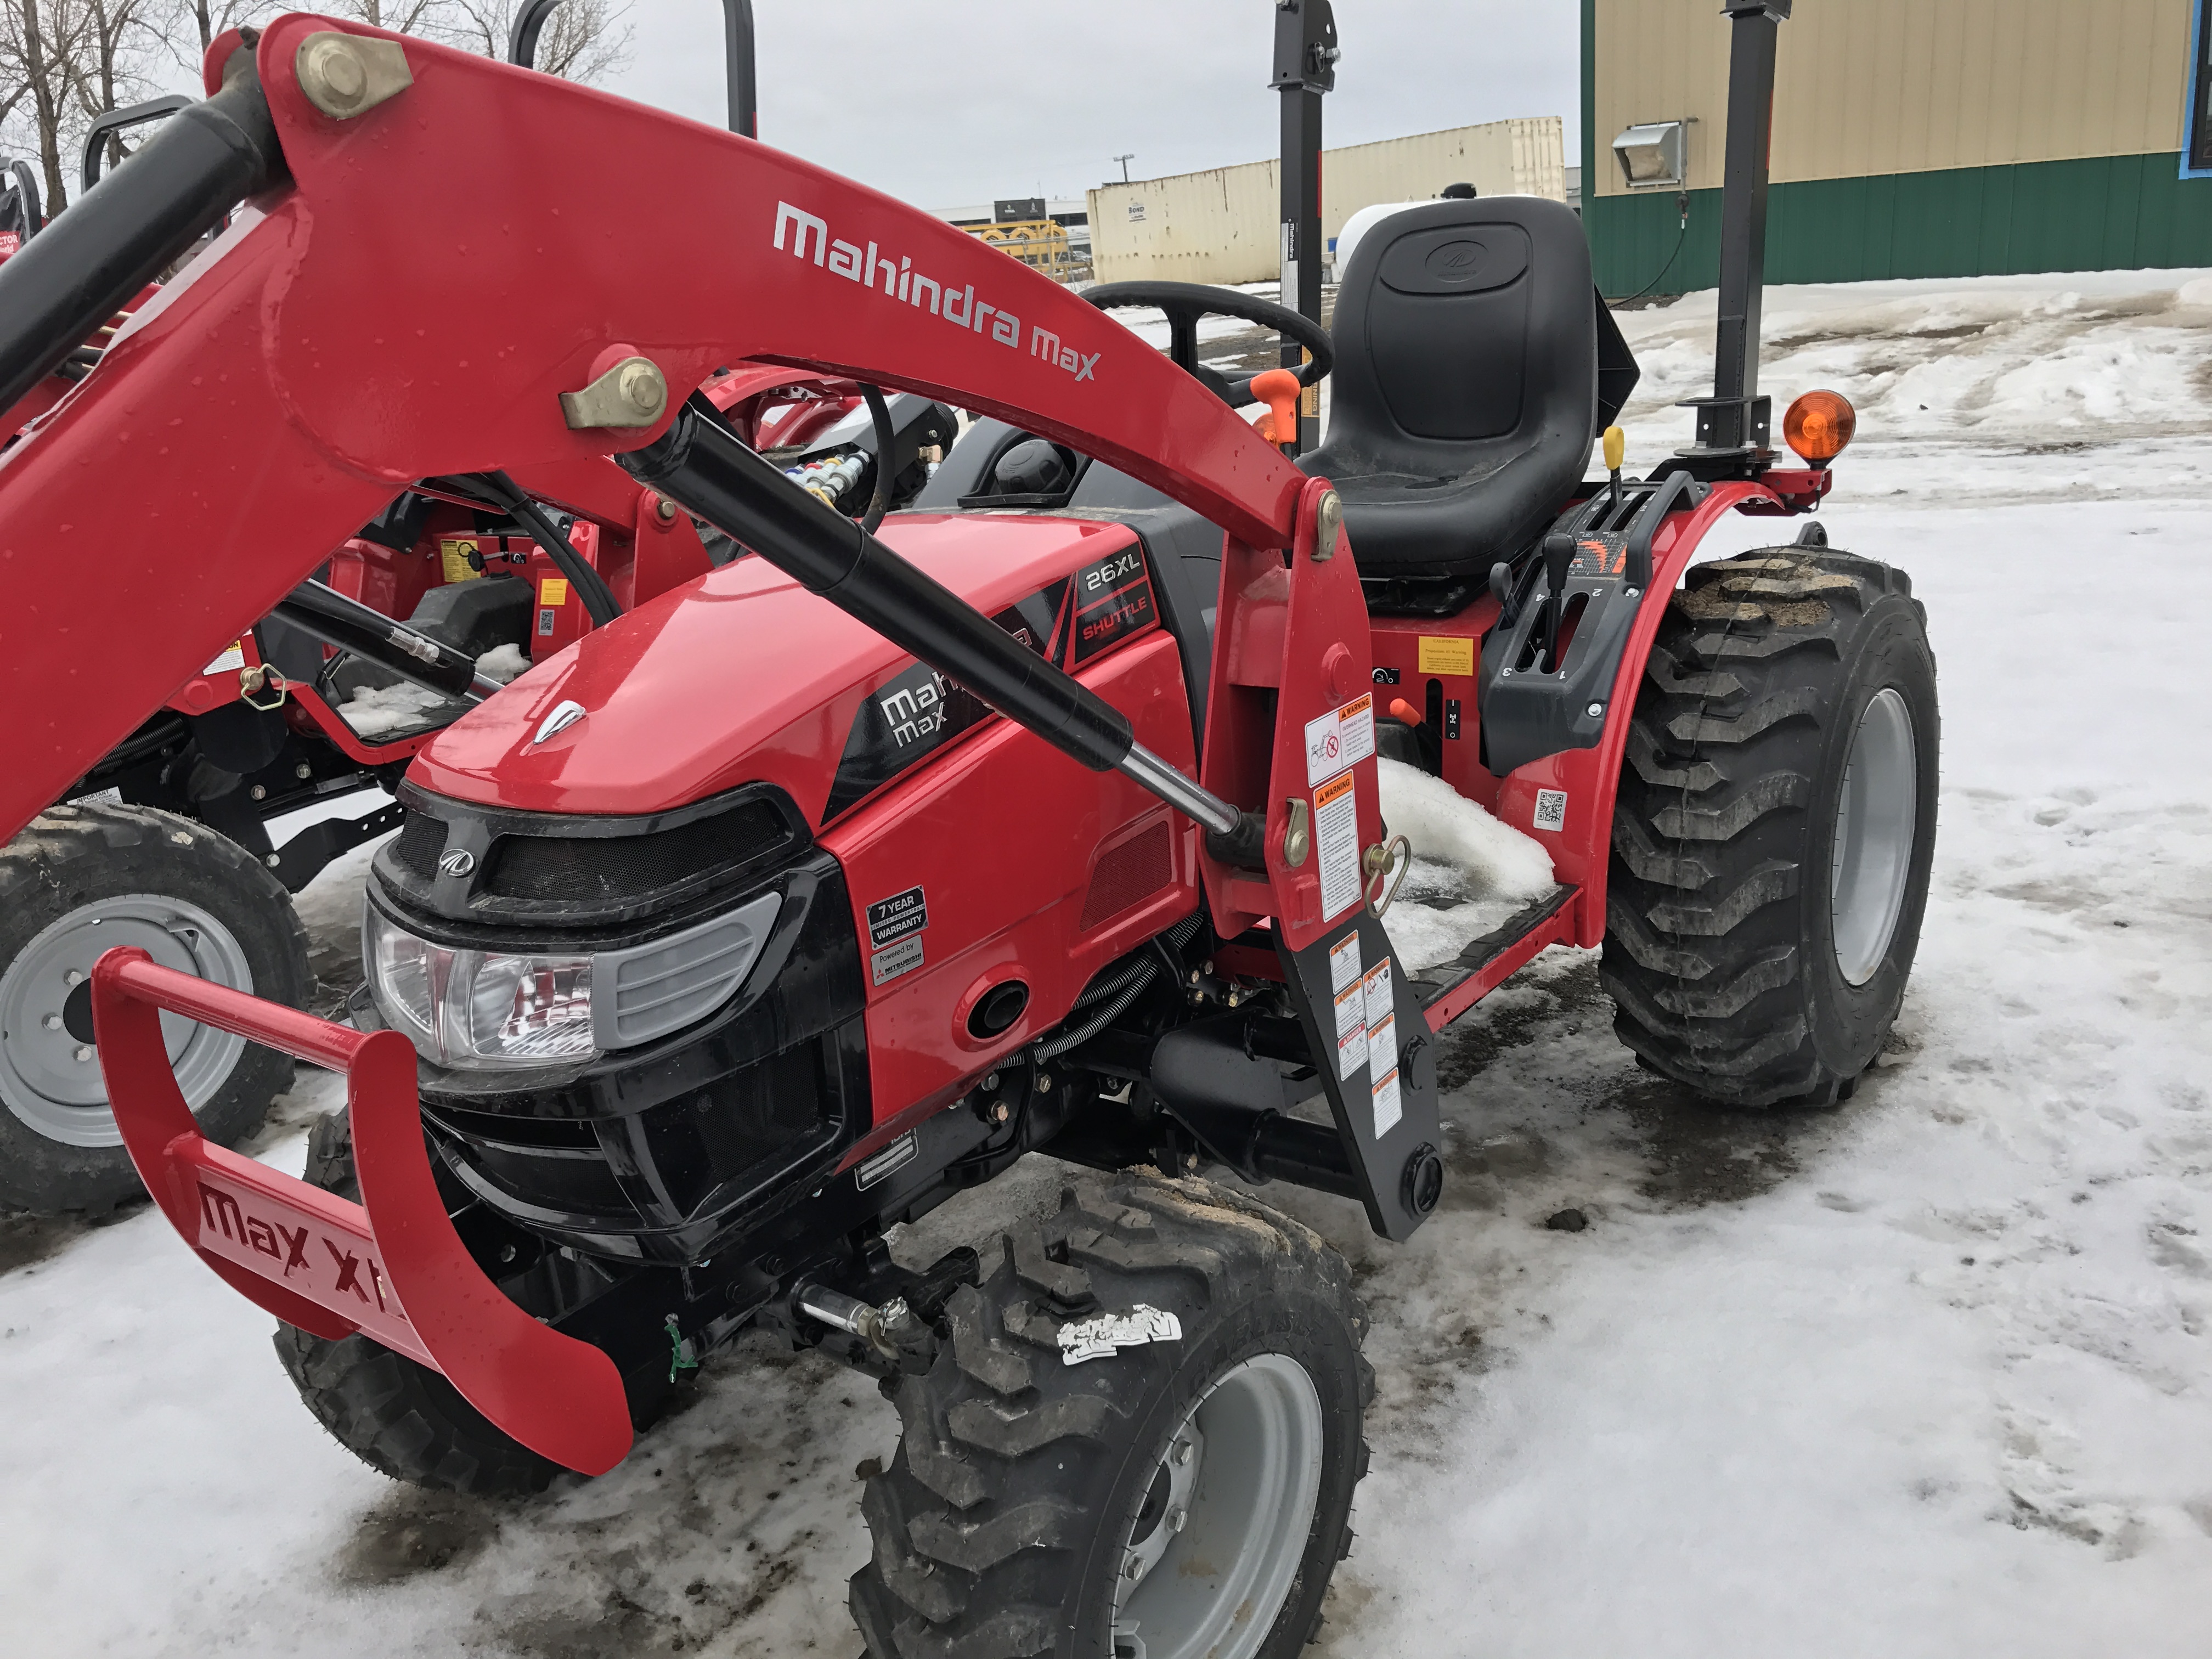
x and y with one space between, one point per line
1873 86
1222 226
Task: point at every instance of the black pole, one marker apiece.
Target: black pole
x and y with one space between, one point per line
738 18
744 89
1735 420
1305 68
1301 237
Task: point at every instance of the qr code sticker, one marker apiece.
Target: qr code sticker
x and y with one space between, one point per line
1551 809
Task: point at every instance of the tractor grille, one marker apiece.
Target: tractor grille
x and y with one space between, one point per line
1129 874
751 1121
756 1115
613 869
536 869
418 846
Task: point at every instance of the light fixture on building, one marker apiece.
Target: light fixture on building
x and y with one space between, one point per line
1654 155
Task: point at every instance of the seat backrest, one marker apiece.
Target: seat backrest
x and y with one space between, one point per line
1466 337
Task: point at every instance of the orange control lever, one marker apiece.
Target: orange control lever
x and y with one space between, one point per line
1279 389
1404 711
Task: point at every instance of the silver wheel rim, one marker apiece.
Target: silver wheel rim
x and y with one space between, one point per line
1877 814
1211 1557
49 1076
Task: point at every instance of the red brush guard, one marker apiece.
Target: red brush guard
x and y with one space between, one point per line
322 1263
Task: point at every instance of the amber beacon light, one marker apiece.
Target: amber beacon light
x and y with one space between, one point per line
1818 425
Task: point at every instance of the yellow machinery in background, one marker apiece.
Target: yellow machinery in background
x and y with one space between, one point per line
1037 243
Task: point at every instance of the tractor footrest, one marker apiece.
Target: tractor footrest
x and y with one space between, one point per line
1450 988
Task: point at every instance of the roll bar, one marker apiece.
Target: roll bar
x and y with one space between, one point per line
738 19
106 125
26 180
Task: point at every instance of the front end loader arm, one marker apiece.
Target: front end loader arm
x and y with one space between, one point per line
412 293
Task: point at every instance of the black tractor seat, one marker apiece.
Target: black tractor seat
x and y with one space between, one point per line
1469 344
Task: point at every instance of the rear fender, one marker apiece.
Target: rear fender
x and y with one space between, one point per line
1590 778
391 1268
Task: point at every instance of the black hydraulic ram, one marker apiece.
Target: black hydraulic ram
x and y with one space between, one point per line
703 467
334 619
75 274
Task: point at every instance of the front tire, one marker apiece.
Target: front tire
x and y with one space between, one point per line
79 879
1182 1498
1775 826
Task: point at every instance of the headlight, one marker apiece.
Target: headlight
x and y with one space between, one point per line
479 1009
491 1010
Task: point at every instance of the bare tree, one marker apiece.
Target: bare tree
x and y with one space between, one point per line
116 35
206 18
582 41
40 45
64 63
434 20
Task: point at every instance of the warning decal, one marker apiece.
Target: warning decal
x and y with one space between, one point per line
1447 654
1336 835
1387 1110
1350 1029
1338 739
1377 988
1343 961
232 656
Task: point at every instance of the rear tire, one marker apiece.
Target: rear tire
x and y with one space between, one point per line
82 877
1024 1489
1757 941
400 1417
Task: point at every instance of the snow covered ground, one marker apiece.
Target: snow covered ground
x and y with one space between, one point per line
1928 1373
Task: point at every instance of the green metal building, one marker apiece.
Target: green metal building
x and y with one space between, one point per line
1911 138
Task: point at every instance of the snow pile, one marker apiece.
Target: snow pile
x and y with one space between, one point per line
379 713
2031 366
503 663
1470 872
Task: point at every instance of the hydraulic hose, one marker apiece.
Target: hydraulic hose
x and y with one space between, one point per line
88 264
599 600
879 415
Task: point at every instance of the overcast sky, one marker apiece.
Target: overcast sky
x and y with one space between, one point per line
950 102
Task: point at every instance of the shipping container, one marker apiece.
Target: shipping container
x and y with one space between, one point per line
1223 225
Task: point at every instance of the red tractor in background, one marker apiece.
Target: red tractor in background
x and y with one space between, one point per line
1044 817
326 700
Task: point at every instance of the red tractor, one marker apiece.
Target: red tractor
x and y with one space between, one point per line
824 886
167 840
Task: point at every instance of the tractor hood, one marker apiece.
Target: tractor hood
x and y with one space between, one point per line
740 677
